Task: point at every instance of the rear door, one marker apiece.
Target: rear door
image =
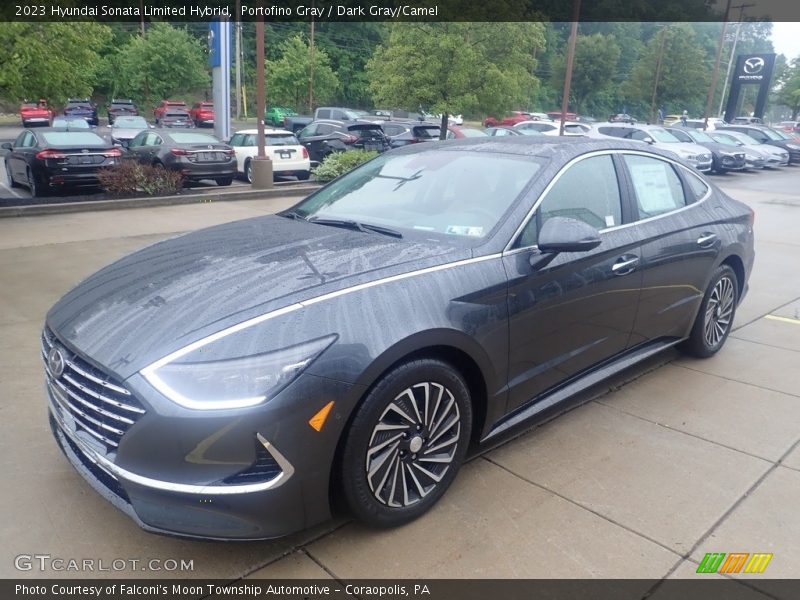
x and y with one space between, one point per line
22 155
579 309
680 242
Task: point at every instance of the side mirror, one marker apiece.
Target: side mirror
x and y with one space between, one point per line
6 146
562 234
649 140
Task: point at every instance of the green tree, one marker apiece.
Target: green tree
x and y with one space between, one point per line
594 68
50 60
685 72
471 68
288 76
166 62
788 92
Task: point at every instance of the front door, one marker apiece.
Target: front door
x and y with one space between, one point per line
579 309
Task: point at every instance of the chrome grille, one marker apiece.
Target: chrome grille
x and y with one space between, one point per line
89 398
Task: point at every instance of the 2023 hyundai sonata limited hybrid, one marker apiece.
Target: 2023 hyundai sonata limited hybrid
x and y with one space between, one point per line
234 382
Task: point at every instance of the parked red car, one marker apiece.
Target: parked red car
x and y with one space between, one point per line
168 105
35 113
202 113
556 116
517 116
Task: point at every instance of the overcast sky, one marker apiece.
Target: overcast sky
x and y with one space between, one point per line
786 39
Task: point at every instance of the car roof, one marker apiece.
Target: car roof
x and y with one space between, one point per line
544 146
267 131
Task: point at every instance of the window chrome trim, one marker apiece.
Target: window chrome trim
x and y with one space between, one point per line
509 251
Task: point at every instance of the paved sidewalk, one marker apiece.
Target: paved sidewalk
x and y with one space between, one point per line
676 458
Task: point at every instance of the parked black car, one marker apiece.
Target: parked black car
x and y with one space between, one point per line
52 158
195 155
84 108
232 382
723 157
410 132
118 107
176 118
323 137
765 135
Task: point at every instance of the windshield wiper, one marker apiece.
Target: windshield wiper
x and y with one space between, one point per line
293 214
363 227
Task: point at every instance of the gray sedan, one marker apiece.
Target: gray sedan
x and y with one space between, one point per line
195 155
239 381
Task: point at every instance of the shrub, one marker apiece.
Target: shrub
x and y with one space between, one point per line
131 178
340 163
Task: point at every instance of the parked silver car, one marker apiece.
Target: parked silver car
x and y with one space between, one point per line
694 154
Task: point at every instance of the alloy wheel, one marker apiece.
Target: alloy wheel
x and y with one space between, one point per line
248 172
719 311
413 444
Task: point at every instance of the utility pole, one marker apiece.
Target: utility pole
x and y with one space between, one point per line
261 166
573 35
311 66
715 74
742 8
659 59
238 60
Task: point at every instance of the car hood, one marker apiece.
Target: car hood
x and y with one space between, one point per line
172 293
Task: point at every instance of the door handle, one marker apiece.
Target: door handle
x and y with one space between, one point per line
625 265
707 239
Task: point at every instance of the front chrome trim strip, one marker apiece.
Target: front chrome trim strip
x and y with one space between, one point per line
182 488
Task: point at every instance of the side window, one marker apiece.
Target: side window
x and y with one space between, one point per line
638 134
656 184
392 129
308 131
588 191
323 113
613 131
339 115
757 135
324 129
698 187
251 140
137 141
237 139
680 135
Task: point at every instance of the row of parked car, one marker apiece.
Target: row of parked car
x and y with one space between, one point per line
168 113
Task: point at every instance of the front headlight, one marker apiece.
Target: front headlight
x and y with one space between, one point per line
188 380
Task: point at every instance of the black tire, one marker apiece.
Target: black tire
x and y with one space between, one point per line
224 181
304 176
10 177
37 189
387 408
715 318
248 171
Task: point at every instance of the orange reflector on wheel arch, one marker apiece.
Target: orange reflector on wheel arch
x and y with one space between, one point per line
318 420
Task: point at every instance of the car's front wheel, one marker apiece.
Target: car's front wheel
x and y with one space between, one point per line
224 181
715 317
406 443
10 177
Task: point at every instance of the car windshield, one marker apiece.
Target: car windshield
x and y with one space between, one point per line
73 123
773 135
194 138
445 192
745 139
724 138
125 105
277 139
129 123
473 133
699 136
662 135
73 138
784 136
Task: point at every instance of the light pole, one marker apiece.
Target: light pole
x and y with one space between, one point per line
573 35
713 86
741 8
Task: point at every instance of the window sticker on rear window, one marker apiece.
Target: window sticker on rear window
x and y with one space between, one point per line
465 230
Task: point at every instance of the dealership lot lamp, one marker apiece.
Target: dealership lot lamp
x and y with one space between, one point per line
262 164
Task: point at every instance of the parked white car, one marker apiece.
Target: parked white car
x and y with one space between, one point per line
288 156
543 127
694 154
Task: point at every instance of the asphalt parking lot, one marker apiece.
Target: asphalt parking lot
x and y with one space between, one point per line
676 458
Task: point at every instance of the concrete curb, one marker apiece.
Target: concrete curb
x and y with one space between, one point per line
281 191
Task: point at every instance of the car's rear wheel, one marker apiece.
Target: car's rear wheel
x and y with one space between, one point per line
248 170
304 176
406 443
37 190
715 317
224 181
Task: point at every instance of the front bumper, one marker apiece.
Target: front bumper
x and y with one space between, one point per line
172 471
